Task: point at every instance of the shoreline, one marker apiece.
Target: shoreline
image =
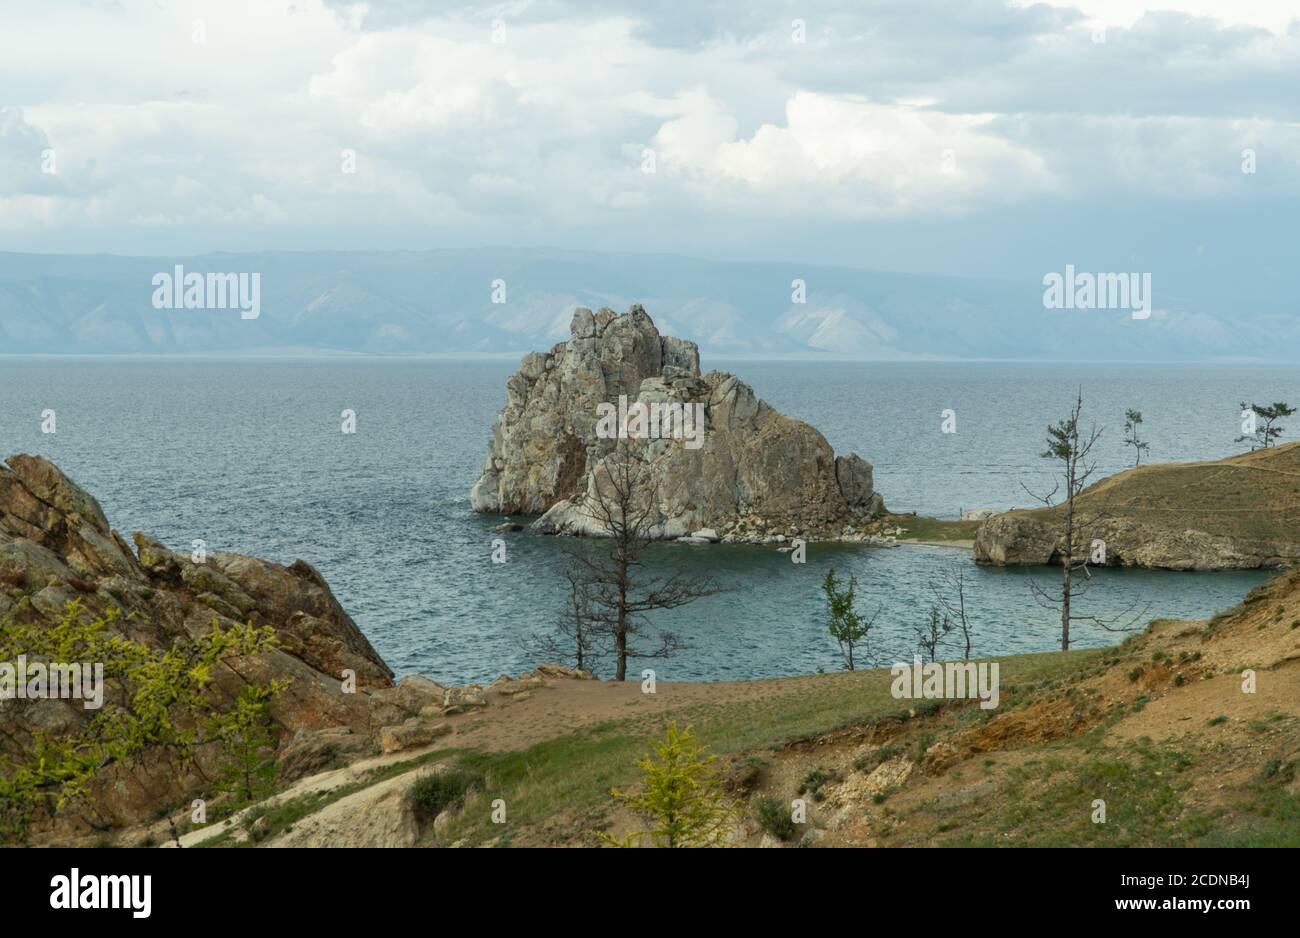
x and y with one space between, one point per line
963 545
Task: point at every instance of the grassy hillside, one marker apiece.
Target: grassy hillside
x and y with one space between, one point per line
1159 728
1255 495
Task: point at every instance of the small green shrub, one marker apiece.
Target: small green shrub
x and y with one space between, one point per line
438 791
920 746
815 780
774 817
869 762
682 796
928 707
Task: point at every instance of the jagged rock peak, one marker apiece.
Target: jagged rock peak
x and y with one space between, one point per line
713 454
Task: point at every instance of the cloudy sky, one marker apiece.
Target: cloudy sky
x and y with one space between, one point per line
944 136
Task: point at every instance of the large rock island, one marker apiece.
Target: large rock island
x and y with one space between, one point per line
1238 513
749 473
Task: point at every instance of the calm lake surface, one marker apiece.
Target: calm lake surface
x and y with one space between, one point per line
247 455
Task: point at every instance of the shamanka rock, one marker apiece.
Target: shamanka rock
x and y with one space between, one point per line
752 474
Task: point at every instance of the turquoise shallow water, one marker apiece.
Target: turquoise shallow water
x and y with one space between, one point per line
248 455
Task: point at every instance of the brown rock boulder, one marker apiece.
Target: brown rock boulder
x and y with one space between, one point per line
410 734
56 547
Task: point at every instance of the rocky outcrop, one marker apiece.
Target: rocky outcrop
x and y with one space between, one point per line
380 815
1239 513
56 546
745 471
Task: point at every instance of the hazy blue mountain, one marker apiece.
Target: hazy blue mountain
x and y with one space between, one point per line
441 302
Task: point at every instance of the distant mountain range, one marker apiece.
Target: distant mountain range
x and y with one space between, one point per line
441 301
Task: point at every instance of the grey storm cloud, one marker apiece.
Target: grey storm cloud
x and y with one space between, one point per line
893 123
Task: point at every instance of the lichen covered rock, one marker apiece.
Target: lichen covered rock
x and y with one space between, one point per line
731 463
56 546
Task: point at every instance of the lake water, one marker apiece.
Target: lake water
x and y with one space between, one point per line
248 455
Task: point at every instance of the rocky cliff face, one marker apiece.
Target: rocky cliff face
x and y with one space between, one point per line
752 474
1239 513
56 546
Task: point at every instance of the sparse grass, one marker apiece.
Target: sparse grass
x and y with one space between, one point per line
920 745
440 791
774 817
1247 496
1271 811
577 771
281 816
933 529
815 781
561 786
869 762
1051 803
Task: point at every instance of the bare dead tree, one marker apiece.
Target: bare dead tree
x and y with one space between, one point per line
950 596
575 637
1071 449
618 589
